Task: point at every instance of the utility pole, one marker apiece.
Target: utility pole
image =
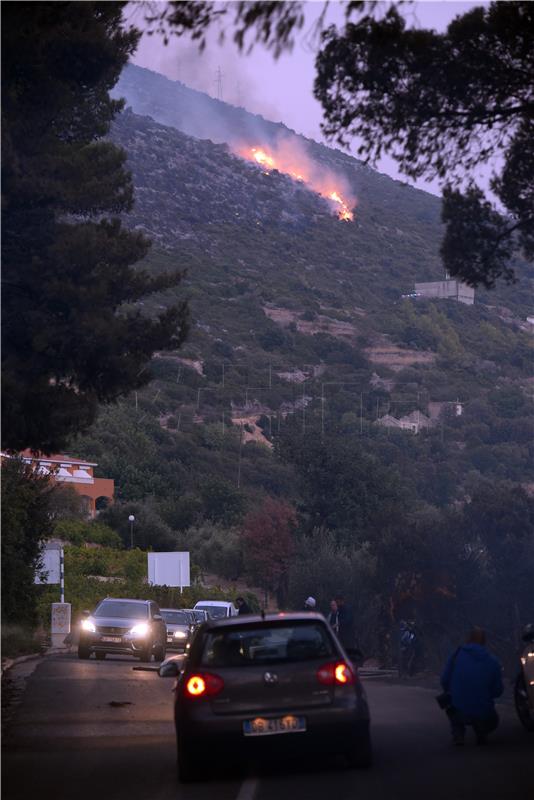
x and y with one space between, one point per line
322 409
239 458
62 575
131 520
219 85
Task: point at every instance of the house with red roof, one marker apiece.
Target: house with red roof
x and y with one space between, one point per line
96 493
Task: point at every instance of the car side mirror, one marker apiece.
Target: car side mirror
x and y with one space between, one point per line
157 617
171 667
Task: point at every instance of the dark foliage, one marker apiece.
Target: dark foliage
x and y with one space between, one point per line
26 522
442 105
72 335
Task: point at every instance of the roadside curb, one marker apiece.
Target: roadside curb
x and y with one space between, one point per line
9 663
12 662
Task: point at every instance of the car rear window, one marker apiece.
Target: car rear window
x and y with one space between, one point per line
233 647
176 617
215 612
116 608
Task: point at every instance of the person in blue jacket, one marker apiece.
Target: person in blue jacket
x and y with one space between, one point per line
473 678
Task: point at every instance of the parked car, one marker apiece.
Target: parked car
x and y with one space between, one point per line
217 608
199 615
130 627
250 682
180 626
524 685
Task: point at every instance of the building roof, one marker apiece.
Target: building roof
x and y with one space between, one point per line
389 421
416 417
56 458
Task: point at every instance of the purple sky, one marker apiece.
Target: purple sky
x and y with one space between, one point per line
278 90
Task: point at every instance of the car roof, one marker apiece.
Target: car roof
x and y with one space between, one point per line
126 600
259 619
175 609
214 603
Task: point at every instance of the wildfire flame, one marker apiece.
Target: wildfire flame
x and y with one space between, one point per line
343 211
262 158
268 162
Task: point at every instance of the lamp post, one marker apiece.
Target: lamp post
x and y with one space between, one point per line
131 520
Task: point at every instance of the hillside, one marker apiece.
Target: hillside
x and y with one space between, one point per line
297 315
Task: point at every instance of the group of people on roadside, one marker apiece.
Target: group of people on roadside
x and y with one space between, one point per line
340 618
471 679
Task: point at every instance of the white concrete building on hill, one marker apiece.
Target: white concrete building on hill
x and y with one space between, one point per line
449 289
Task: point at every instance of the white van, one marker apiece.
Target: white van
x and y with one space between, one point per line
216 609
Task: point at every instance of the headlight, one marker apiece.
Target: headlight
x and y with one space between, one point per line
179 635
140 630
89 626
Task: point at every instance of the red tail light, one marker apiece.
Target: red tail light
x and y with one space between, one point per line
204 684
336 673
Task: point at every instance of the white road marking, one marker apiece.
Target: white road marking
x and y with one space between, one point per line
248 789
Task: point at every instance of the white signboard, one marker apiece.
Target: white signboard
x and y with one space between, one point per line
168 569
49 572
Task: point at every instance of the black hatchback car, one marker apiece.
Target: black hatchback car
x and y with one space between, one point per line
250 682
130 627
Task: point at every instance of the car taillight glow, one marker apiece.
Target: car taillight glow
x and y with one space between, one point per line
205 685
336 673
196 686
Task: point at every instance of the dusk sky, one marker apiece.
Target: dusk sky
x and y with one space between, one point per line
280 90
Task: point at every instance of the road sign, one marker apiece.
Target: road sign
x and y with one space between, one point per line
50 571
168 569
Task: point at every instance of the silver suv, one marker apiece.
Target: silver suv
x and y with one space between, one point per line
129 627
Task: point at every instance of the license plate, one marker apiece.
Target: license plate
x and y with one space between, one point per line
114 639
268 727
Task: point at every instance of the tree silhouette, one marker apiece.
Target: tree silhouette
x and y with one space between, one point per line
73 334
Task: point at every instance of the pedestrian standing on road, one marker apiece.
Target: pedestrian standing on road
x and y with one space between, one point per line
310 604
407 649
333 617
471 681
242 606
345 621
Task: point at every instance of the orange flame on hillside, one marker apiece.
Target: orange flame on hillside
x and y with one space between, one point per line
299 167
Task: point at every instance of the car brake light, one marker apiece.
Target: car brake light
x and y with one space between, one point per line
336 673
204 685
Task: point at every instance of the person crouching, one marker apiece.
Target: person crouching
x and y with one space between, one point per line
473 679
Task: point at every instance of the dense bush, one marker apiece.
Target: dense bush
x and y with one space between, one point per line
78 532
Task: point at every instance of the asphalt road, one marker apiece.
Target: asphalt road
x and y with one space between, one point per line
88 729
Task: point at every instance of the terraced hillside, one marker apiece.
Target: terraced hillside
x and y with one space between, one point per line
298 318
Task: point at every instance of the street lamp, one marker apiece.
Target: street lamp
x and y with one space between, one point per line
131 520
